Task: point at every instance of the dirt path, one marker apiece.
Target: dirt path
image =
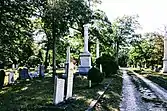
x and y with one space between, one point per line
138 95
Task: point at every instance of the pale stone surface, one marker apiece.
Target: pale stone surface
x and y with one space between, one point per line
165 55
97 48
86 37
58 90
69 85
11 78
85 57
69 75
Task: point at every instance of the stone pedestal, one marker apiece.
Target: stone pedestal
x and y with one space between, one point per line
165 55
85 62
85 57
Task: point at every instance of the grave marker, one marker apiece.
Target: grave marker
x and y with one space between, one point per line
11 77
69 75
58 90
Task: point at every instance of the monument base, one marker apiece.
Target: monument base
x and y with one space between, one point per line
165 66
85 63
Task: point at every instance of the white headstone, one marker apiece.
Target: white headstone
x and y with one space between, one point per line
69 85
11 78
13 66
97 48
69 75
58 90
17 66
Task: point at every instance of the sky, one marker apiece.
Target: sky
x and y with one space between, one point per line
152 13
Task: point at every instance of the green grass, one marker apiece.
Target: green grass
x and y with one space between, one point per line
37 94
156 77
112 98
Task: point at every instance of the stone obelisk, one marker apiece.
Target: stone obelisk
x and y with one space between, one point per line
85 57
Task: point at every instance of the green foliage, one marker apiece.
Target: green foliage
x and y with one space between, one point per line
147 50
95 75
33 61
109 64
16 29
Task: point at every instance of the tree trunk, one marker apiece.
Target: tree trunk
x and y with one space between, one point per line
54 50
46 57
117 50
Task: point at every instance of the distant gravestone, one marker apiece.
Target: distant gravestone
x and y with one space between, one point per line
58 96
17 66
13 66
11 77
24 73
41 70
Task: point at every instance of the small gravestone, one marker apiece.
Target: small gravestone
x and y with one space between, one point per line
24 73
58 96
17 66
13 66
11 77
41 70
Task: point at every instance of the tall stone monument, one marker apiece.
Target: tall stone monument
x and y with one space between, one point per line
165 54
97 48
85 57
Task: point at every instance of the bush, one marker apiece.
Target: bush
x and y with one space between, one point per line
109 64
33 61
95 75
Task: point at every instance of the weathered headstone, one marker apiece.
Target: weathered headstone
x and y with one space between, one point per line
69 73
58 96
41 70
11 78
17 66
24 73
13 66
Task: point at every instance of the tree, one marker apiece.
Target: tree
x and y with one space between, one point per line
16 29
123 29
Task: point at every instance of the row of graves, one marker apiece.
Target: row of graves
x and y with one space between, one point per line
23 73
63 85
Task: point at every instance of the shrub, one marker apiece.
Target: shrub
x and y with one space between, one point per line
95 75
109 64
33 61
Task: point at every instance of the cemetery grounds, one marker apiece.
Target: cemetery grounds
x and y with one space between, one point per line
37 94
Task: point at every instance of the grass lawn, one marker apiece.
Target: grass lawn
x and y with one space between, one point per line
112 98
37 95
156 77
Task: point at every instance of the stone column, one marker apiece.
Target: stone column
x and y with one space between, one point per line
85 57
97 48
165 55
86 37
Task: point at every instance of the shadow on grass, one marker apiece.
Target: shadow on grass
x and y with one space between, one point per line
27 95
112 98
37 95
160 80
